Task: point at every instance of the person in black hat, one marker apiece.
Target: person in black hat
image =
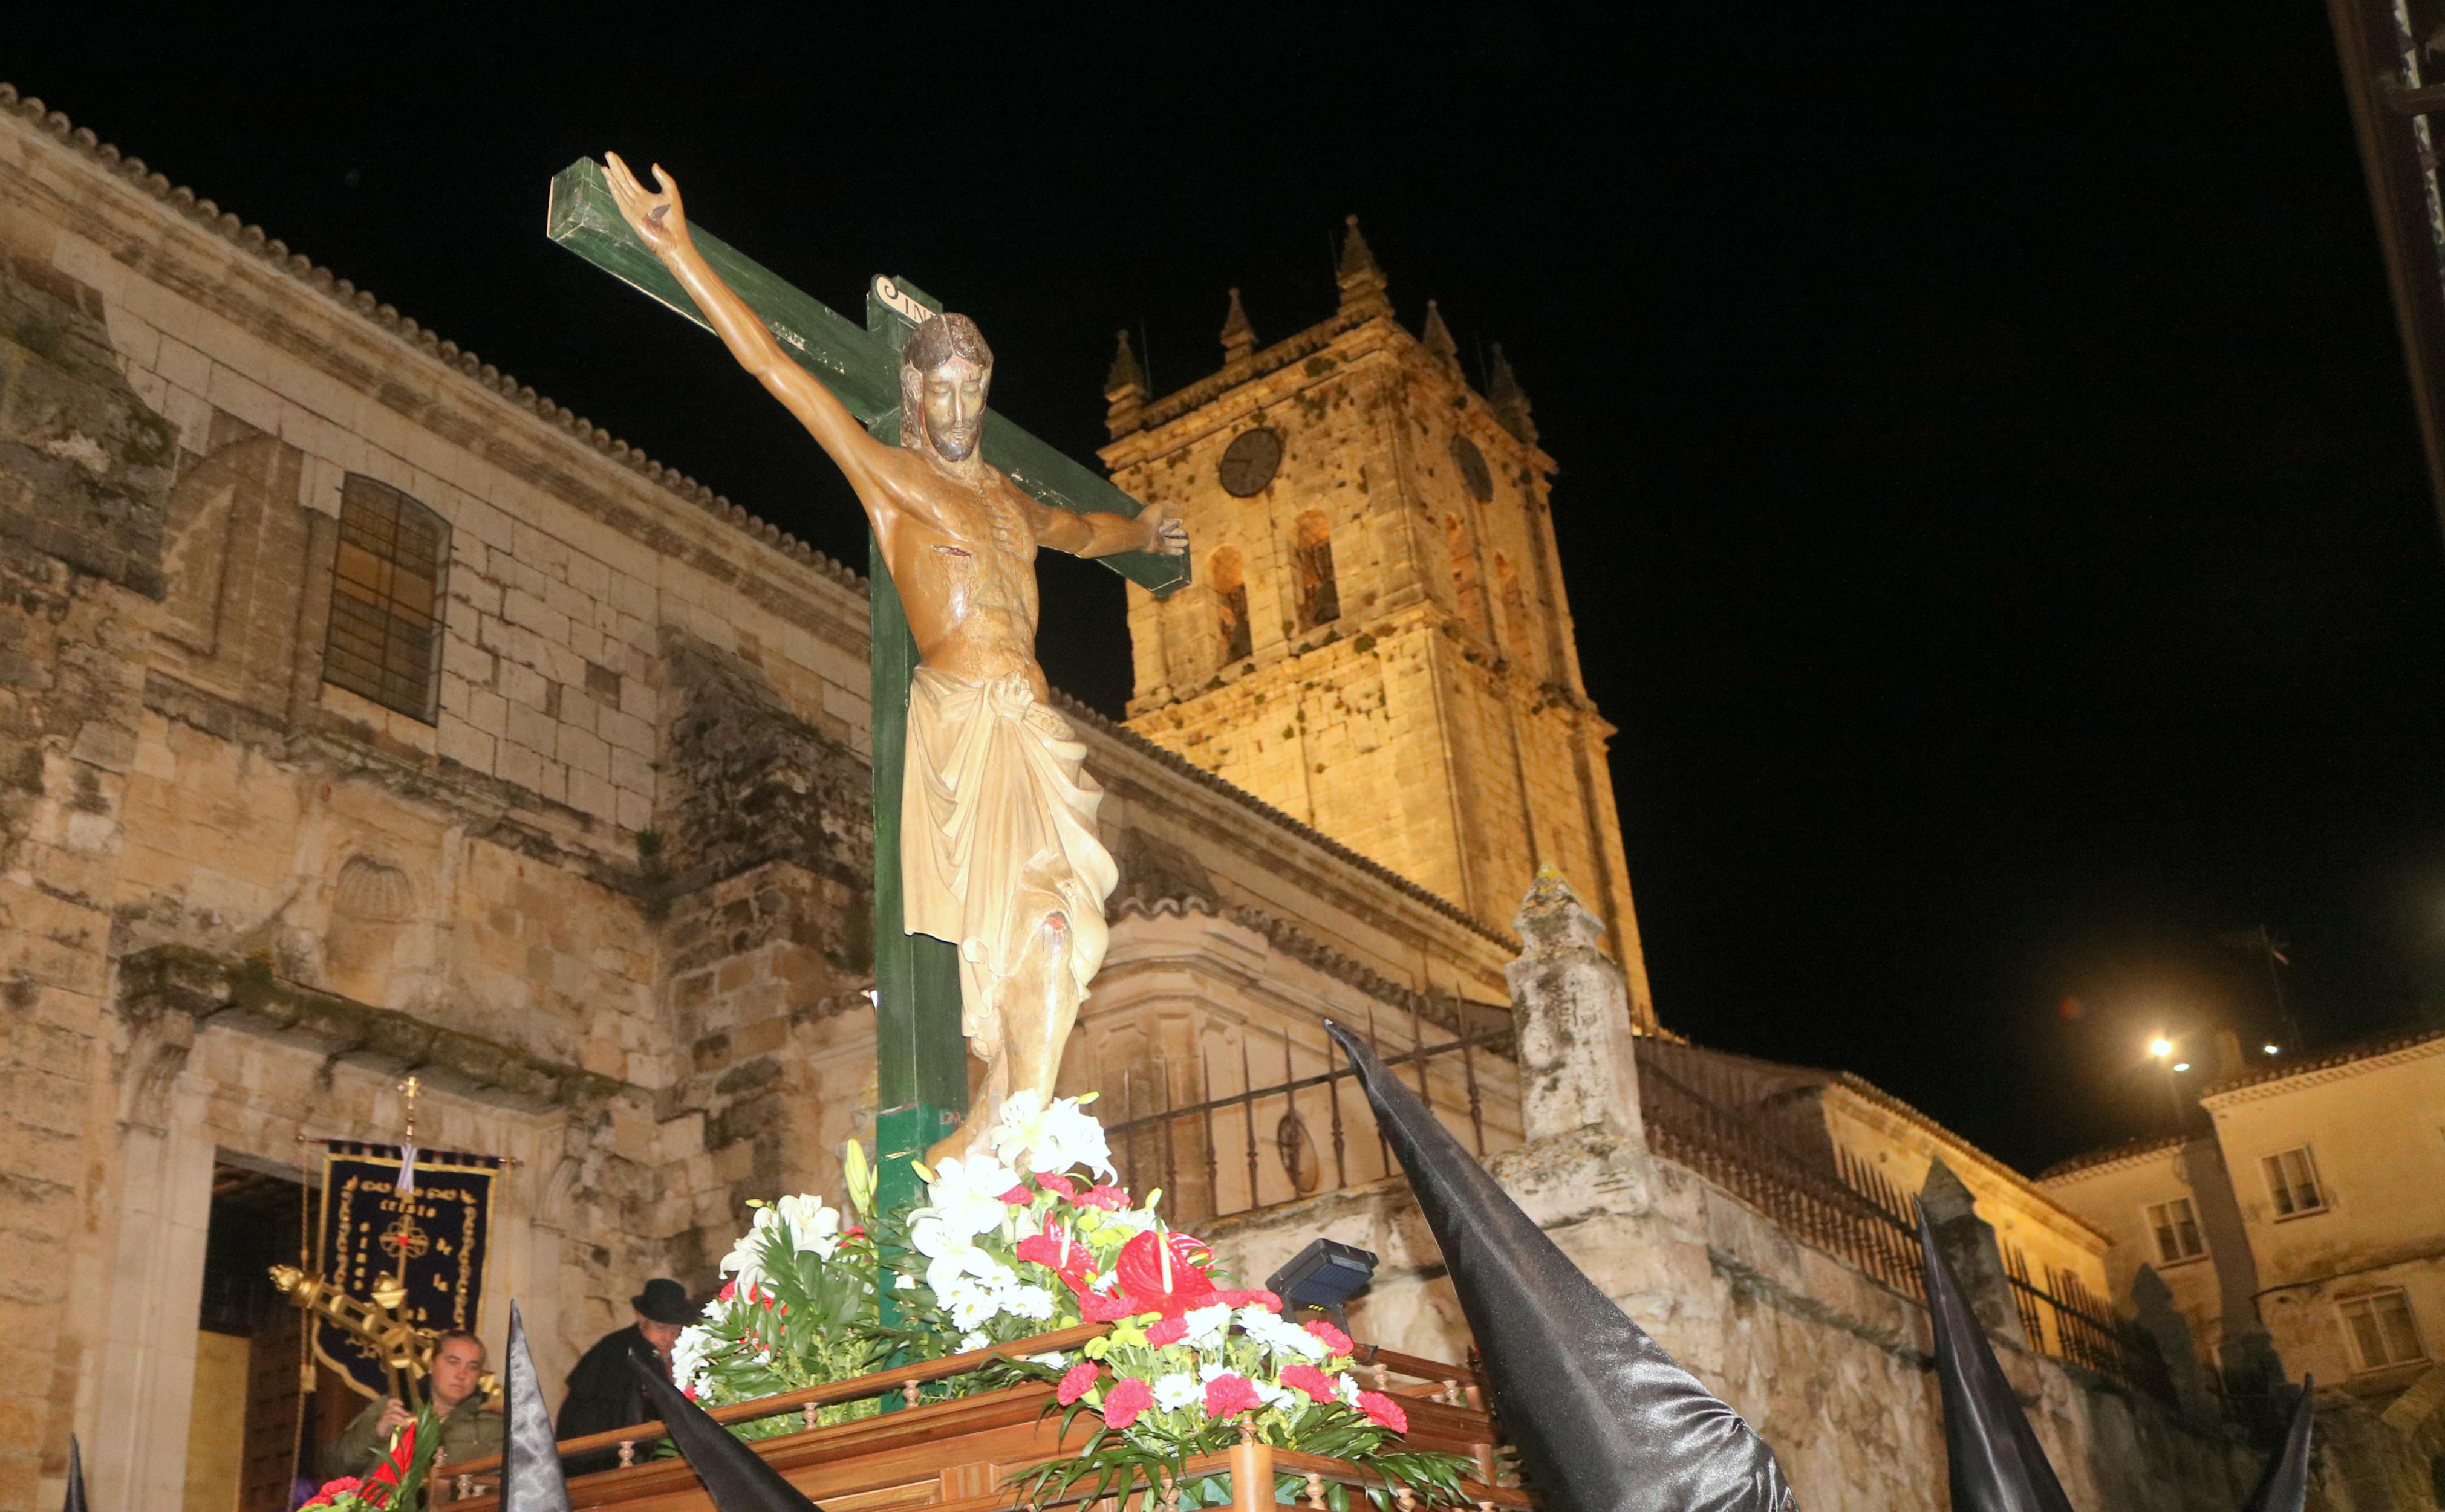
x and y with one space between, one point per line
602 1391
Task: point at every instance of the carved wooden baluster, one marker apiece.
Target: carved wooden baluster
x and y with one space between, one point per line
1170 1493
1382 1376
806 1414
627 1452
1452 1396
911 1393
1315 1491
1407 1499
466 1488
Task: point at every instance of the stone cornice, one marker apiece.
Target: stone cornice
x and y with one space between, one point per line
2096 1162
213 989
29 116
2377 1055
1292 941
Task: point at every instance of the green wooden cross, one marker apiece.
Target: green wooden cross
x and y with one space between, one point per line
921 1058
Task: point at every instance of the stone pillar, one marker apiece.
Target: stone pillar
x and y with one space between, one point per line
1578 1067
1968 1244
2171 1332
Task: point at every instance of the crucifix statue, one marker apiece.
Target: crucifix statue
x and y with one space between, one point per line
997 850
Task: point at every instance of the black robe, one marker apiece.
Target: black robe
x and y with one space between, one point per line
604 1394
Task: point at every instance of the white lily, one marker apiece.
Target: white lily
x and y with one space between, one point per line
1051 1137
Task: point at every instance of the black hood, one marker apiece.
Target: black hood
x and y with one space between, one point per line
2284 1488
1992 1457
76 1478
531 1474
733 1475
1605 1421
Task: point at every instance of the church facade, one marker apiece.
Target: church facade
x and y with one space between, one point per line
364 712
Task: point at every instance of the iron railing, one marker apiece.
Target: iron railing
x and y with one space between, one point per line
1725 1121
1216 1152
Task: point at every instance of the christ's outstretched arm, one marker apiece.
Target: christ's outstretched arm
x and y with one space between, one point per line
661 225
1100 534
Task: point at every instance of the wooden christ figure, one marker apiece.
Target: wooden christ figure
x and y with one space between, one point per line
998 849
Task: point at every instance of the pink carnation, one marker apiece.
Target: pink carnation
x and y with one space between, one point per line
1097 1308
1260 1297
1111 1199
1128 1397
1229 1395
1053 1183
1019 1196
1077 1381
1335 1340
1307 1378
729 1290
1170 1331
1383 1411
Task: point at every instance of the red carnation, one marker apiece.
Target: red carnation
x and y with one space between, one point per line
1076 1382
1317 1384
1111 1199
1019 1196
1170 1331
332 1489
854 1231
1335 1340
1053 1182
1383 1411
1228 1396
729 1290
1256 1298
1125 1400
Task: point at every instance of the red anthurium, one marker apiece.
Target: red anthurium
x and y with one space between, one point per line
1141 1270
402 1451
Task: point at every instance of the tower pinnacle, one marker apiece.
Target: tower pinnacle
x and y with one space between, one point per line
1361 280
1437 340
1125 386
1238 337
1509 400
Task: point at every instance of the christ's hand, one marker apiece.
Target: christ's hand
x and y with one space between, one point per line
657 218
1166 536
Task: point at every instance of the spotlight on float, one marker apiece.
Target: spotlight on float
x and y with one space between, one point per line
1322 1278
2160 1047
2268 1048
2181 1065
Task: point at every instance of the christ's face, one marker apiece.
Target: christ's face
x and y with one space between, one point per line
954 397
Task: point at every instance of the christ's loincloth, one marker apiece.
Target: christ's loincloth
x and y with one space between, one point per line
998 832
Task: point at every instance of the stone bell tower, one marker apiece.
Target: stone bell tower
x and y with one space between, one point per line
1377 641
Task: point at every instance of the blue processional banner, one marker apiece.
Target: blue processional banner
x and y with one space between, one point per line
368 1224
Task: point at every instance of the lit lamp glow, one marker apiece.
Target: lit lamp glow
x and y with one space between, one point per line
2268 1048
2181 1065
2160 1047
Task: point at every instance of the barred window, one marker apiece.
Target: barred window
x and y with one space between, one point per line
2381 1330
385 637
1319 594
1228 581
2176 1228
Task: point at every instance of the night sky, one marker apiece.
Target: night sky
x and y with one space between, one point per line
1989 493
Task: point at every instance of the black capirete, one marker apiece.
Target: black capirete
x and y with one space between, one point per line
531 1474
76 1478
733 1475
2284 1488
1993 1458
1605 1421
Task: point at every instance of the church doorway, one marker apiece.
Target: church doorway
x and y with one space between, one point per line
248 1443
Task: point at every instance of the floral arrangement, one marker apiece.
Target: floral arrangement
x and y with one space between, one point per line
397 1482
800 1309
1026 1234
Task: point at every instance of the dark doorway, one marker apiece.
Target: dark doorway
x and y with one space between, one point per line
250 1361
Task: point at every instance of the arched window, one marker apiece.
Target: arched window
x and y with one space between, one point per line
1468 596
372 905
385 637
1515 605
1319 596
1228 581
